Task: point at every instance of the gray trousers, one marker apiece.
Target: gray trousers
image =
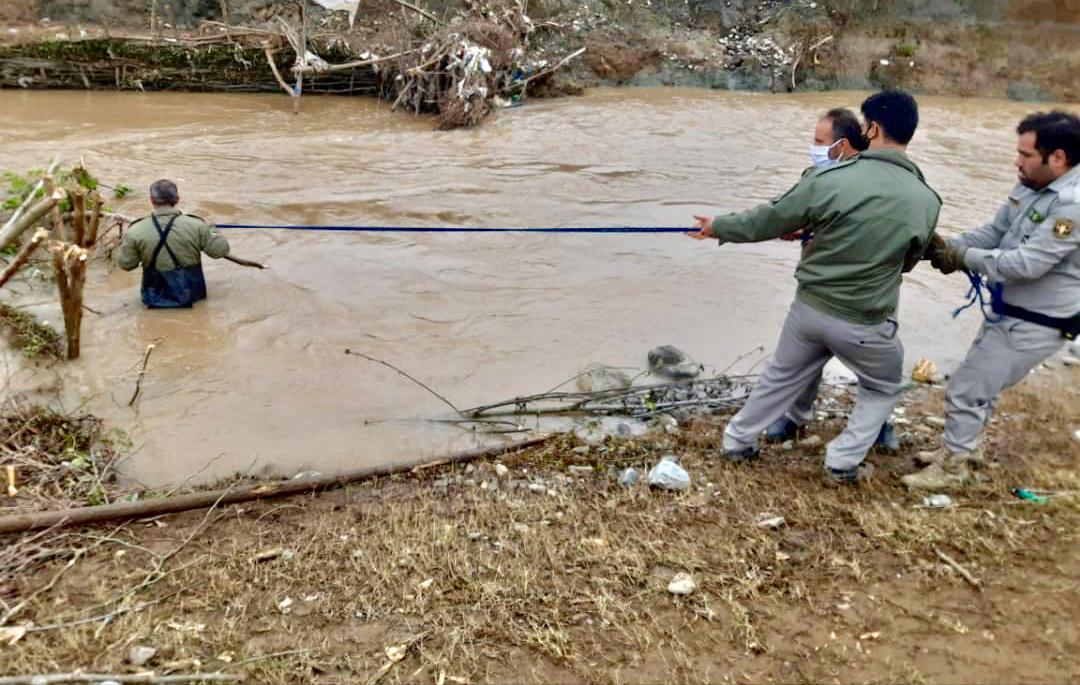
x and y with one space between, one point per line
1002 354
810 338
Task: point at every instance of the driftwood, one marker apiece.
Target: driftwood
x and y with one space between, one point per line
23 255
199 500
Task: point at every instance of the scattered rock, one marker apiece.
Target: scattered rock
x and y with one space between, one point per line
537 488
812 442
788 446
770 521
306 474
441 482
598 377
1071 361
682 584
285 604
924 371
937 501
935 421
268 554
631 429
581 449
668 475
501 470
667 423
140 655
521 529
628 477
426 585
671 362
580 470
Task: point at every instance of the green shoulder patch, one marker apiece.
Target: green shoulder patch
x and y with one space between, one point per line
1035 216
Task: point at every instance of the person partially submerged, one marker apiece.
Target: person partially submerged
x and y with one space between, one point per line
168 244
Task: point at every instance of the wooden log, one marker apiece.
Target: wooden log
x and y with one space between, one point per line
201 500
95 219
77 279
11 233
78 221
23 256
60 269
57 220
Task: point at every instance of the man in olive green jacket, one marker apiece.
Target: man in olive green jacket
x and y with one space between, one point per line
168 244
872 218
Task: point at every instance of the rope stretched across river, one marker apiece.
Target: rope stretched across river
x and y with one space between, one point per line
455 229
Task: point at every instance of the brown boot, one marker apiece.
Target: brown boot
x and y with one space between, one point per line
941 455
945 476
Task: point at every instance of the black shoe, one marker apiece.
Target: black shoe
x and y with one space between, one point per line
741 455
836 478
887 441
782 430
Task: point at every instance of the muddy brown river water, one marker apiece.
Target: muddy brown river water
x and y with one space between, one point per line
257 373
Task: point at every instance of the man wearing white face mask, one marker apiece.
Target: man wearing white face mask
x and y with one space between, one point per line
837 138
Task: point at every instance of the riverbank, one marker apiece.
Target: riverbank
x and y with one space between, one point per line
773 46
539 567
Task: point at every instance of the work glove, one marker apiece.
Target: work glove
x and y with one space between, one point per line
945 257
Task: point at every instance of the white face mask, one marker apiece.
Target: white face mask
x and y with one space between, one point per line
819 155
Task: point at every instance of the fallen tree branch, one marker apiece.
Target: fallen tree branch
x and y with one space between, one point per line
244 262
562 63
277 74
416 9
29 199
388 365
955 565
32 216
199 500
142 372
309 71
80 677
23 256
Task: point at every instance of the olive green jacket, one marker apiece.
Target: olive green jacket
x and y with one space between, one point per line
190 236
872 218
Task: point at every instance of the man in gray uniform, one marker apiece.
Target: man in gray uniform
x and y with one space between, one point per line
1029 255
872 218
837 138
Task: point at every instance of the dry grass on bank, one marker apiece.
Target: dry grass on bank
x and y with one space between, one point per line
480 579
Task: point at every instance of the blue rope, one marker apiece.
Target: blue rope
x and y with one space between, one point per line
451 229
975 296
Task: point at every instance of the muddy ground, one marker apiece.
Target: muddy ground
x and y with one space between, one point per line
552 572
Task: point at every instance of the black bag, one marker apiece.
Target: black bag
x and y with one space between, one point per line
177 288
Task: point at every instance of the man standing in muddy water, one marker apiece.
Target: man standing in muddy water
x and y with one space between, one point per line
872 218
1030 255
168 244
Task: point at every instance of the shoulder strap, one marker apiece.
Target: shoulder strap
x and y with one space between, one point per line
163 238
